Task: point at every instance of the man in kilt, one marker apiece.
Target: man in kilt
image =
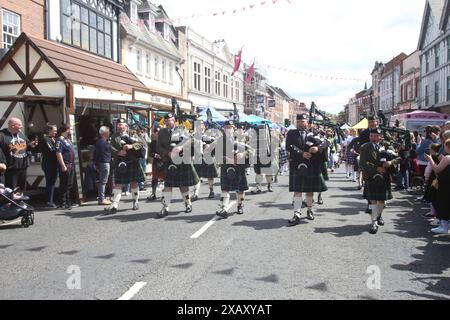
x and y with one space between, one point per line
126 152
232 172
364 137
157 165
171 142
305 169
268 168
204 170
378 182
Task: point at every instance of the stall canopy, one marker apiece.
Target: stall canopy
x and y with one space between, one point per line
292 127
346 126
252 119
363 124
216 115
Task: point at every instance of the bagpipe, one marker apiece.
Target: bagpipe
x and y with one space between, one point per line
324 121
261 133
404 134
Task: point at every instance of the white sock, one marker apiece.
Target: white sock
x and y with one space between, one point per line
309 201
167 198
240 198
135 194
197 188
354 175
225 199
117 194
186 198
374 208
297 203
380 209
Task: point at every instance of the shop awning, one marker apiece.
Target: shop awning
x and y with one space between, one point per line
56 100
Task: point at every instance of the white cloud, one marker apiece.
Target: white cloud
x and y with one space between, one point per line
327 37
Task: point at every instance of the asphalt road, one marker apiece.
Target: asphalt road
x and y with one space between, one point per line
81 254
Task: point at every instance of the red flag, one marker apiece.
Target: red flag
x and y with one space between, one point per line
237 62
251 71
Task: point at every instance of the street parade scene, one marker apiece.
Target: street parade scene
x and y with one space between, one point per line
140 160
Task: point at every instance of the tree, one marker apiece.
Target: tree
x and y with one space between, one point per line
341 117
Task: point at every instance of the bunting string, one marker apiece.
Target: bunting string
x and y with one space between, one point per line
246 8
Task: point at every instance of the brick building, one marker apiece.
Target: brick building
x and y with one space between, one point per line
17 16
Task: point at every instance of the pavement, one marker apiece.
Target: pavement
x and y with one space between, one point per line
81 254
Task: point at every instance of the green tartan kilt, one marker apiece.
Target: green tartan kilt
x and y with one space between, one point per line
206 170
325 172
239 184
133 173
377 190
313 182
184 176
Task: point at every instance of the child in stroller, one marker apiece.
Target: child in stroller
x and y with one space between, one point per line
12 207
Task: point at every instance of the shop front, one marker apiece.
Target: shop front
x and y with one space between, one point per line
44 82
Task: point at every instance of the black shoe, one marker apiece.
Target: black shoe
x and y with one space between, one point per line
188 208
163 213
359 188
320 201
369 211
222 213
310 215
380 221
373 228
194 198
135 205
151 197
240 210
292 203
270 188
211 195
295 220
304 204
110 211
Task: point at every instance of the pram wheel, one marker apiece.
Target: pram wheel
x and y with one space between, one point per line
26 222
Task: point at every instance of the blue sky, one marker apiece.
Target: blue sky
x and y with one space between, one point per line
325 37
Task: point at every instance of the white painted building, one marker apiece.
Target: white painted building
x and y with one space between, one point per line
434 45
390 85
149 51
353 116
208 68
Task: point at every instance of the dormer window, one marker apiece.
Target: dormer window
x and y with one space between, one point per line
134 11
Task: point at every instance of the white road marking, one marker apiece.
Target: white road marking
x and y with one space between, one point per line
133 291
210 223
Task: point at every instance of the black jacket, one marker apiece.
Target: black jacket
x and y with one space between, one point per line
294 139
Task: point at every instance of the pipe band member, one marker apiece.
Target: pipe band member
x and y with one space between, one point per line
171 142
378 181
205 170
65 155
126 152
305 169
157 165
233 176
267 169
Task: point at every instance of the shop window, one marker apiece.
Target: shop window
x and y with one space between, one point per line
87 27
